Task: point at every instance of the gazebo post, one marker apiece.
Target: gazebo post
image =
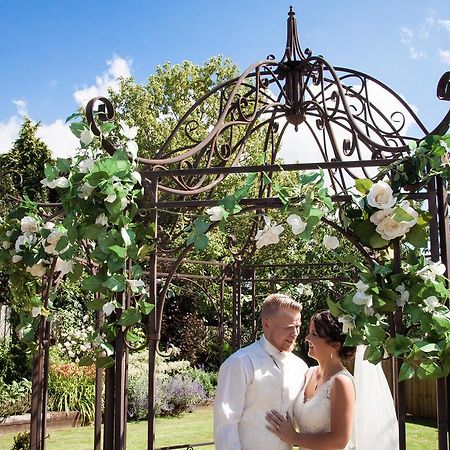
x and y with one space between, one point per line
152 320
442 391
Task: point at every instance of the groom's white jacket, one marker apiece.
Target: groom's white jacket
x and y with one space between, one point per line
251 382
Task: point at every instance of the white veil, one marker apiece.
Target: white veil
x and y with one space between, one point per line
375 424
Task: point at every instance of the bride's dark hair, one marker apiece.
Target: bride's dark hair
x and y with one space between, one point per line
329 328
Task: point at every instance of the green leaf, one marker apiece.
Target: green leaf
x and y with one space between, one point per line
92 231
373 354
104 362
374 334
77 128
400 215
201 225
130 317
96 304
441 322
94 283
426 347
398 346
85 361
73 116
376 241
62 243
363 185
63 164
121 252
115 283
201 241
50 172
107 127
145 307
244 190
406 372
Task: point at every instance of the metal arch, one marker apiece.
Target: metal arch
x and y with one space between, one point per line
306 91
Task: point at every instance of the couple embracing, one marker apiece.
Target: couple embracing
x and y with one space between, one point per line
268 399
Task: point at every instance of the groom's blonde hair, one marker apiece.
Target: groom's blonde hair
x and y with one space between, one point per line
274 302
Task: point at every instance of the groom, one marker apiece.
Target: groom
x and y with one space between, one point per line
258 378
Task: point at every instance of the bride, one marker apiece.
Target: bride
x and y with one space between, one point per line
324 410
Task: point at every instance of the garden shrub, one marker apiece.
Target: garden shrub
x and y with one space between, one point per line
15 398
22 441
178 387
72 388
15 360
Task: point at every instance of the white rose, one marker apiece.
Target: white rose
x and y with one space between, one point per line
102 219
330 242
361 286
270 234
431 270
85 165
29 225
62 182
85 190
6 244
136 285
37 270
127 131
52 241
26 239
132 149
49 184
108 308
380 196
35 311
361 298
111 198
63 266
136 176
389 229
378 216
9 233
125 237
48 225
16 259
404 295
296 223
87 136
215 213
347 323
85 317
432 302
123 203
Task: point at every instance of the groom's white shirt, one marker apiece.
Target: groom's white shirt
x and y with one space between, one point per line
251 382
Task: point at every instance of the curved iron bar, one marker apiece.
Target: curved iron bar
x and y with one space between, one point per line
105 113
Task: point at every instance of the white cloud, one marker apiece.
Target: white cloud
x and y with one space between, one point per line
406 35
59 138
416 54
445 23
8 133
444 56
21 107
117 67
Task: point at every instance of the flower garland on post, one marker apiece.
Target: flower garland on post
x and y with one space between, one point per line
379 217
93 238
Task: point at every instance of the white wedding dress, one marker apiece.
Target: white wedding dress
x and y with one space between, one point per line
375 421
314 414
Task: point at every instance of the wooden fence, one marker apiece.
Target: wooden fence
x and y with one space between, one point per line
420 394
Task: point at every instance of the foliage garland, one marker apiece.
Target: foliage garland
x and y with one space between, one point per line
98 238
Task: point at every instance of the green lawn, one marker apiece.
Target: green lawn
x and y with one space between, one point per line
191 428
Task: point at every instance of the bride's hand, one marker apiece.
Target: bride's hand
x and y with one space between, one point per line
281 426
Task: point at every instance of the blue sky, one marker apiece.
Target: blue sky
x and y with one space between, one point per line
57 52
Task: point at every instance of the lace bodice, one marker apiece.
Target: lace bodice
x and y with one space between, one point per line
314 414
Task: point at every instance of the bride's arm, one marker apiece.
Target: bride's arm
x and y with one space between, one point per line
342 410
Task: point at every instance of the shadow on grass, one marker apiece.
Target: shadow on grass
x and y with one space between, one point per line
430 423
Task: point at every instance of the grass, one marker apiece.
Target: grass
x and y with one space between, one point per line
194 428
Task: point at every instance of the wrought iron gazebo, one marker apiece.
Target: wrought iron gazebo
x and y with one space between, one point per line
351 133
